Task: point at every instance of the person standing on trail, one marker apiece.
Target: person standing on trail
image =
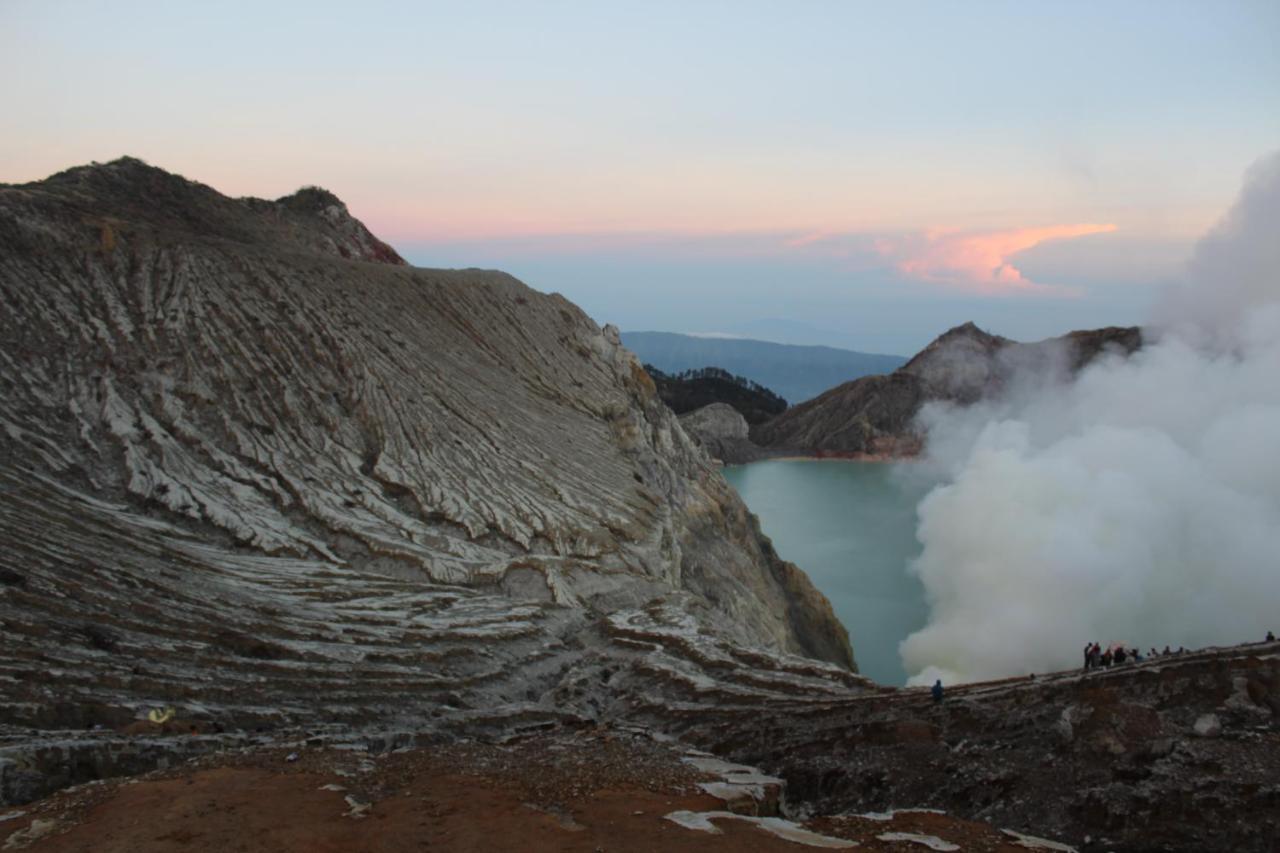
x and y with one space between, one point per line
937 691
1106 659
1119 655
1088 655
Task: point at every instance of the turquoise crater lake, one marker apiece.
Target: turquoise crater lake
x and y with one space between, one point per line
851 527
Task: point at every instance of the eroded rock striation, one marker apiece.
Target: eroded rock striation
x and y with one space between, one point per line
876 414
253 464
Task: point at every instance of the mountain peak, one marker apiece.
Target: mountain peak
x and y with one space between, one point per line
967 329
957 357
136 196
313 199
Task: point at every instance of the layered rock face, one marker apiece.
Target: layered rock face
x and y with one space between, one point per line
876 414
252 462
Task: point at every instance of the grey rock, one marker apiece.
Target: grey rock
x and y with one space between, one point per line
722 431
1065 725
718 420
1207 725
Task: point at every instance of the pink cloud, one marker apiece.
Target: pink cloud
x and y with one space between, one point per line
979 262
807 239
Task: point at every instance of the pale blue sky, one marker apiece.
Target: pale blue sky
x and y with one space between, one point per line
656 162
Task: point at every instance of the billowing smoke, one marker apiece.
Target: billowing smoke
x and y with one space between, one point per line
1139 504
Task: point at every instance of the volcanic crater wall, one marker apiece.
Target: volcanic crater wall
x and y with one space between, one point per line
266 389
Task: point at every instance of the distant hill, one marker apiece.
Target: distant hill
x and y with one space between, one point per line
692 389
876 414
797 373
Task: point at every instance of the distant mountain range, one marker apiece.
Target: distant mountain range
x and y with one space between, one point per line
797 373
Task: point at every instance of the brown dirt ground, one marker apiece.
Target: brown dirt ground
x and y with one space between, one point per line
591 792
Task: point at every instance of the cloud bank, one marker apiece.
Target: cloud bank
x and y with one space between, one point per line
1139 504
980 262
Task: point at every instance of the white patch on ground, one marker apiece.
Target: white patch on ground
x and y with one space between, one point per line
889 815
25 837
697 821
358 809
1032 843
710 764
933 842
738 781
741 774
784 829
730 791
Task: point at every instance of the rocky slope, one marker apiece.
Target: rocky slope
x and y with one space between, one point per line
252 462
876 414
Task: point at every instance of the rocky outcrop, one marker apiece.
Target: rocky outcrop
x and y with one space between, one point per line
253 465
722 432
876 414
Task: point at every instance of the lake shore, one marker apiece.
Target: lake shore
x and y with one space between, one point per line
879 458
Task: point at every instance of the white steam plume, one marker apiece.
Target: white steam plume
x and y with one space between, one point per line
1139 504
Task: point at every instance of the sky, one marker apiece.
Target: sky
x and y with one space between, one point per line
845 173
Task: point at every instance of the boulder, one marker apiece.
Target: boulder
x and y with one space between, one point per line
722 432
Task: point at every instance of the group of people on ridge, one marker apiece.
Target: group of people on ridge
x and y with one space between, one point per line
1095 656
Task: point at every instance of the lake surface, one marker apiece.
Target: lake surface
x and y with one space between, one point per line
851 527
